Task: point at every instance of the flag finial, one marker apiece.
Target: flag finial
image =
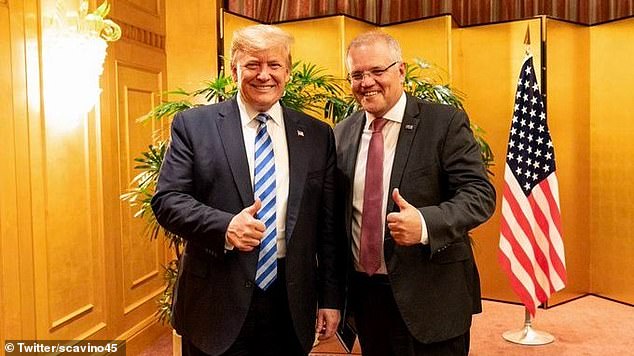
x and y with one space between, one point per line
527 40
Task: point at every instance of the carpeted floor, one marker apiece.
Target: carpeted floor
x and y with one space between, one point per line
586 326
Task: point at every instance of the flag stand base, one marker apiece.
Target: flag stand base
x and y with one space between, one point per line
527 335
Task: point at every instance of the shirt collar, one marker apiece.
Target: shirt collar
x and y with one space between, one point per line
248 114
395 113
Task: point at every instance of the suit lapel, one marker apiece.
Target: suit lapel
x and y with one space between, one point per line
297 161
349 160
354 138
406 135
230 129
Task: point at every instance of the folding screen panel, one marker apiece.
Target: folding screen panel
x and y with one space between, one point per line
568 103
612 167
429 40
486 63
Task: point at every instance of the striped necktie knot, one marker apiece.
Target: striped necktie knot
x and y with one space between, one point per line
263 117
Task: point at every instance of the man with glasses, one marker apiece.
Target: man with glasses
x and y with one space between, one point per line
412 186
250 185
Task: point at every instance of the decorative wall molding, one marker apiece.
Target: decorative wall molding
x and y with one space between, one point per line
138 84
72 316
152 9
138 34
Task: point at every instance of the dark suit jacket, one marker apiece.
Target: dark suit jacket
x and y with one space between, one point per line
438 169
204 182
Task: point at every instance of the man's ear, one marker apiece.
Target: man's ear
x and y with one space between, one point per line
401 71
234 73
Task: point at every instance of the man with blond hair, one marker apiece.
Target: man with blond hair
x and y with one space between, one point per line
250 185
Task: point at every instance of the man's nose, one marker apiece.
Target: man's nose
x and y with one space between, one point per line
367 82
264 73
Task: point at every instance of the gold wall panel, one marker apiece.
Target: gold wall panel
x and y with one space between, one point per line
612 149
191 59
133 81
568 104
18 28
429 40
351 29
67 221
69 257
8 208
141 258
486 65
231 24
319 42
148 15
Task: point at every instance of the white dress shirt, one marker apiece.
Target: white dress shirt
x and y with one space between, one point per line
390 132
277 132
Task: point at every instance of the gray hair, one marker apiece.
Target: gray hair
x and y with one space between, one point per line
374 36
258 38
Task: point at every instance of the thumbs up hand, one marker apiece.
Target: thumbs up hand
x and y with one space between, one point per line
405 225
253 208
245 231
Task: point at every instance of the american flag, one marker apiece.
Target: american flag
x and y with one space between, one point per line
531 247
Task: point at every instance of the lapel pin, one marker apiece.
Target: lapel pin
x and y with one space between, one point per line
300 133
409 127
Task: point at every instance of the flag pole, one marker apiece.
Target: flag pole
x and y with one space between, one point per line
527 39
527 335
530 112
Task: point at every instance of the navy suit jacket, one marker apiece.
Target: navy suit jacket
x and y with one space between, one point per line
204 181
438 169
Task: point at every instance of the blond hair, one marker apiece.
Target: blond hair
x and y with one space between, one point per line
256 38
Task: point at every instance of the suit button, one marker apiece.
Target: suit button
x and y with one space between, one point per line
248 284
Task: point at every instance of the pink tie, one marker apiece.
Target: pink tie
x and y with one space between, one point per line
371 221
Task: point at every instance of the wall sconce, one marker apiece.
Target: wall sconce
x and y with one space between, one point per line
73 51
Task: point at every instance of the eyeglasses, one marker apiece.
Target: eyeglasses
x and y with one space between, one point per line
372 73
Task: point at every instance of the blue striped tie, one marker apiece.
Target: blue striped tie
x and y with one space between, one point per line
264 189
